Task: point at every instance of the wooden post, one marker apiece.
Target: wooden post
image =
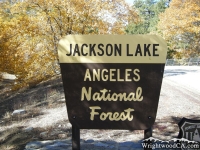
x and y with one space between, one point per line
148 134
75 138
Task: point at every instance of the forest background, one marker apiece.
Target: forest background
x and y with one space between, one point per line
30 30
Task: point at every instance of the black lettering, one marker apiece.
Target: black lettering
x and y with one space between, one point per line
76 50
118 49
107 50
92 49
155 49
70 50
127 50
100 48
146 49
82 51
138 50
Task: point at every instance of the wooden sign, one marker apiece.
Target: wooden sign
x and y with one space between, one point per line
112 81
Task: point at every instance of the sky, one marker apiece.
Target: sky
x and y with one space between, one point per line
129 1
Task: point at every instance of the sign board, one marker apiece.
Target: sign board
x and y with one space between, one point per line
189 129
112 81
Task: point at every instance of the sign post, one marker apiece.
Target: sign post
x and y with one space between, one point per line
75 138
112 81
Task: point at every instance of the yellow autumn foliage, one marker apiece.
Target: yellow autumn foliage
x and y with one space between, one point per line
180 23
30 32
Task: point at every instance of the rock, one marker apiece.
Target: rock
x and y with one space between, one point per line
60 144
44 134
62 100
7 76
62 136
55 132
28 129
49 145
33 145
69 125
19 112
89 141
